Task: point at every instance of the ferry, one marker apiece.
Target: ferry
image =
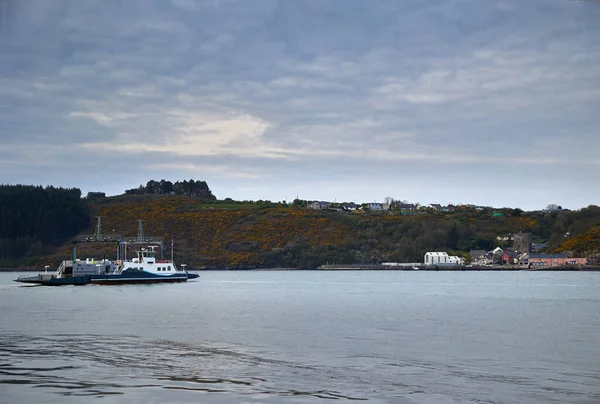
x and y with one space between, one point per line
144 268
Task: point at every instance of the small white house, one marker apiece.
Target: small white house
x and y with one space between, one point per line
442 258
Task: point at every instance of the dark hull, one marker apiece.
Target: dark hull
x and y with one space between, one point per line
47 280
116 280
121 279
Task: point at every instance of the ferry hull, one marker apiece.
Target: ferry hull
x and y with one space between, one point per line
138 278
142 279
51 280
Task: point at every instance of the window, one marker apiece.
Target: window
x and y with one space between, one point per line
169 268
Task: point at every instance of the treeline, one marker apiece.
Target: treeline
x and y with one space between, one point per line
34 220
189 188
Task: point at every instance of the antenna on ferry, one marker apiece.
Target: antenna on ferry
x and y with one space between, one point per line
172 250
140 235
98 234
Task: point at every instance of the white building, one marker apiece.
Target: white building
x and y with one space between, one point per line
318 205
375 206
442 258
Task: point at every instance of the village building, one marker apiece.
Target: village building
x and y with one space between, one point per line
521 242
510 258
318 205
375 206
443 259
435 206
479 257
553 260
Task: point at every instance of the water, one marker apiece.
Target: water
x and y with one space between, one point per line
305 337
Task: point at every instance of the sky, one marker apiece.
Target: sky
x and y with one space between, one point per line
493 103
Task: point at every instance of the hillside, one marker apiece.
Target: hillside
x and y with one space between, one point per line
586 244
229 234
220 235
38 224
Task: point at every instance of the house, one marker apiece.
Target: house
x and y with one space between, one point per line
497 251
436 206
318 205
479 207
374 206
449 208
480 257
406 206
510 258
443 259
349 206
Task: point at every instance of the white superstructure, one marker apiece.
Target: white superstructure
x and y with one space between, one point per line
146 261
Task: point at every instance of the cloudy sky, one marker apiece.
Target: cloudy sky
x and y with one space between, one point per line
486 102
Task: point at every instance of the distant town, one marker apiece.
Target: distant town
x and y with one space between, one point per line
412 208
520 250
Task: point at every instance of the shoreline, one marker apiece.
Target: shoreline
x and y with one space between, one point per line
377 267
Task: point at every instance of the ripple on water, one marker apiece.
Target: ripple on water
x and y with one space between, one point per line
94 365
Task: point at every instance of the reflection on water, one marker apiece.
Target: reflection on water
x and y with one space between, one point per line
100 366
95 365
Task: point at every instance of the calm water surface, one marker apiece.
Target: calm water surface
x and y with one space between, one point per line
306 337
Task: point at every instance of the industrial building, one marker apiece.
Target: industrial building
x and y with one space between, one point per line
443 259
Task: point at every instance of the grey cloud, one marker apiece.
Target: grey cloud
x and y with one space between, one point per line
465 91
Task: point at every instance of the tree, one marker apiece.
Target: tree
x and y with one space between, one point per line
453 237
299 202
